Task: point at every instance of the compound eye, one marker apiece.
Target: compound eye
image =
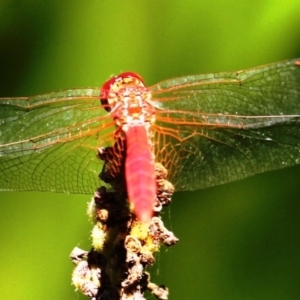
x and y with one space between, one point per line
119 80
133 75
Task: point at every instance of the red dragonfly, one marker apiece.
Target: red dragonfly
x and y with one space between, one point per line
206 130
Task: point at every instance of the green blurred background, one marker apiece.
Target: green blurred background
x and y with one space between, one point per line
237 241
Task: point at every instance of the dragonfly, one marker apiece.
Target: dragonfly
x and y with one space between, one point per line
206 130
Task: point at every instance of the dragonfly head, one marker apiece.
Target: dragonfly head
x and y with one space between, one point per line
114 86
127 99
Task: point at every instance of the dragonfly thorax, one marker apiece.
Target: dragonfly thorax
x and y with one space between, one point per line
133 106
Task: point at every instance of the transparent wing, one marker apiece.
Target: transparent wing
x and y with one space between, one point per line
210 129
216 128
49 142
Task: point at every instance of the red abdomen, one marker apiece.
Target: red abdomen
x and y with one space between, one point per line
140 172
